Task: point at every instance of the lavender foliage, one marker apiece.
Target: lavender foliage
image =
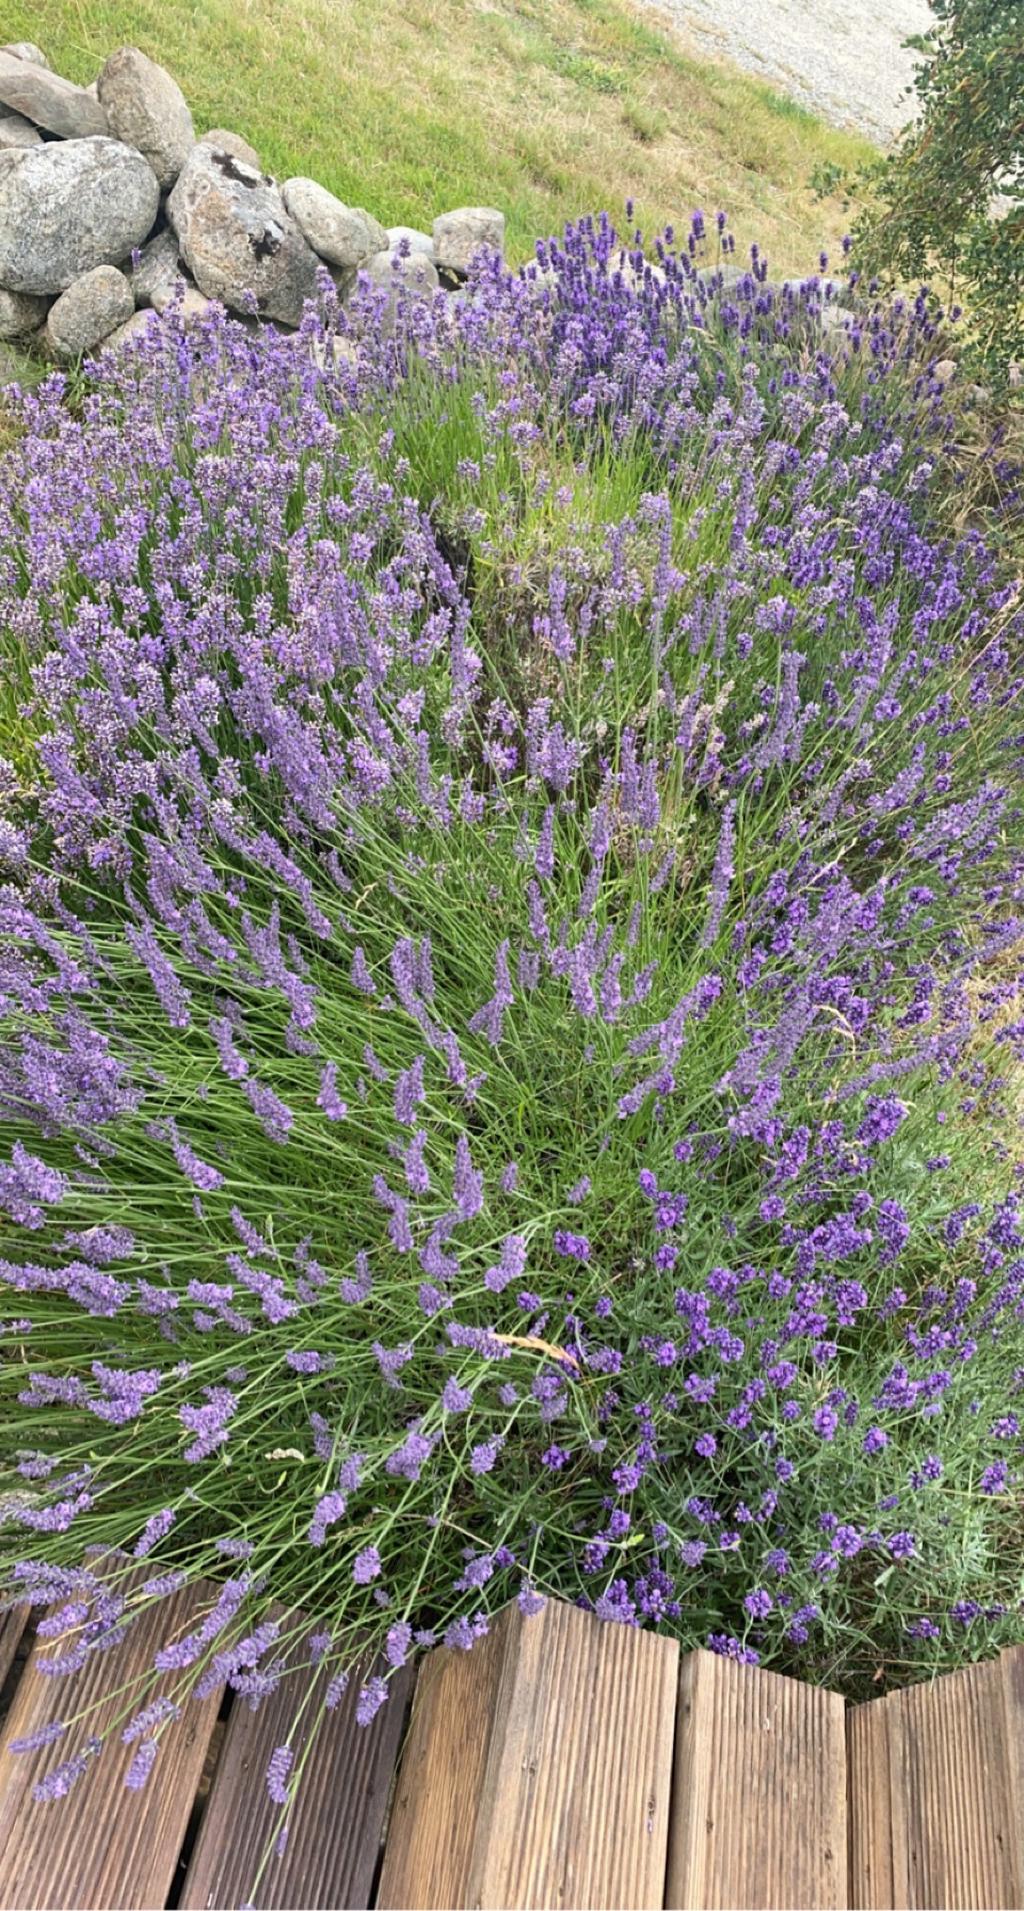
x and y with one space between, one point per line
509 934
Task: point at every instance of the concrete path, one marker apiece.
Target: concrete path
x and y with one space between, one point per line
844 59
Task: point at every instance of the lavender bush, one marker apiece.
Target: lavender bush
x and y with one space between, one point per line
512 835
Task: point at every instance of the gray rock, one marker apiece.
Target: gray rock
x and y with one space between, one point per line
945 370
147 109
833 318
394 271
832 290
20 314
796 295
140 325
16 132
418 241
238 239
402 276
181 300
634 277
460 234
724 275
157 268
91 308
48 101
66 207
330 353
539 278
233 143
343 235
26 50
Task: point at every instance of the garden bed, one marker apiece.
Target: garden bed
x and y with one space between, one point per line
512 837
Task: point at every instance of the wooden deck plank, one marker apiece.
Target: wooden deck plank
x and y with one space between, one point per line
335 1824
537 1771
877 1804
936 1798
759 1793
103 1845
12 1626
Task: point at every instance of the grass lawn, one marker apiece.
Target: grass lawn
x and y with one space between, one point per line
546 108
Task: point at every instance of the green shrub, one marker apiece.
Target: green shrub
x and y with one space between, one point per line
951 197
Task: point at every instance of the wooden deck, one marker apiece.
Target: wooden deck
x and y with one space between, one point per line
562 1763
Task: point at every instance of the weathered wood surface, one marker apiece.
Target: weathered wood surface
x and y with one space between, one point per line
937 1793
759 1794
103 1845
334 1830
12 1626
537 1770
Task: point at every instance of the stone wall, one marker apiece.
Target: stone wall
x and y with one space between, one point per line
112 210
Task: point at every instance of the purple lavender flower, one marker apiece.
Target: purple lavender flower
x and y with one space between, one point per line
371 1697
391 1360
994 1479
155 1529
209 1424
510 1266
202 1176
328 1099
882 1118
463 1633
356 1290
902 1546
273 1114
415 1167
27 1186
329 1509
409 1092
455 1398
398 1643
489 1020
484 1456
277 1774
729 1647
721 875
468 1184
408 1460
58 1782
158 1712
141 1764
35 1741
361 977
367 1566
555 1457
615 1606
